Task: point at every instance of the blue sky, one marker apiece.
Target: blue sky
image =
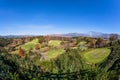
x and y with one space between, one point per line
23 17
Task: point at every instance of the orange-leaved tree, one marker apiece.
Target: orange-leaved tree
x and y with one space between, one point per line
21 52
37 47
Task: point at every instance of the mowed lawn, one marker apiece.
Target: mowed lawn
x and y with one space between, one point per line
30 45
54 43
54 53
96 55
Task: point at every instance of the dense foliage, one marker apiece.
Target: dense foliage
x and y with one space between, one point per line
13 67
4 42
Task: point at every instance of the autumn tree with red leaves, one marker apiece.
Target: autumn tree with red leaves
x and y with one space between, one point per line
21 52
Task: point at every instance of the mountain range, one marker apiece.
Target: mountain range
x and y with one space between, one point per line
88 34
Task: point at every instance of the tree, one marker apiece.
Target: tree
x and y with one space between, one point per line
113 37
41 39
5 42
99 42
91 42
21 52
2 49
11 48
37 47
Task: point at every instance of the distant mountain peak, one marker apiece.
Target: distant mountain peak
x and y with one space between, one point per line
88 34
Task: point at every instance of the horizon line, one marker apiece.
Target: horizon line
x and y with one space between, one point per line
57 33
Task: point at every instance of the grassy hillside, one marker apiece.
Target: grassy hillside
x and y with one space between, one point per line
54 53
96 55
30 45
54 43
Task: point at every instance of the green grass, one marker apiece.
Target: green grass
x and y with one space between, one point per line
30 45
96 55
54 43
54 53
82 43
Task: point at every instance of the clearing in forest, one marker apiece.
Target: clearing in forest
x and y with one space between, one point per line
30 45
54 43
96 55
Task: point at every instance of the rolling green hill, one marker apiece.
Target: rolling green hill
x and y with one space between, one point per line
54 53
90 56
54 43
96 55
30 45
